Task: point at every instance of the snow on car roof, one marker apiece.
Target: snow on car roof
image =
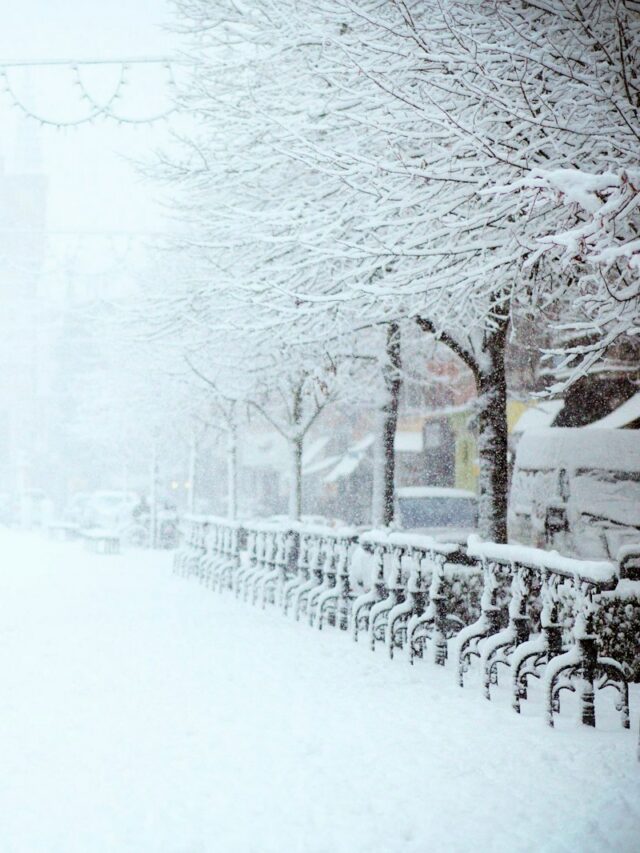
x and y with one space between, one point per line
539 416
579 447
620 417
433 492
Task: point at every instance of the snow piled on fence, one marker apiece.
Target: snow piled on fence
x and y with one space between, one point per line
144 714
596 571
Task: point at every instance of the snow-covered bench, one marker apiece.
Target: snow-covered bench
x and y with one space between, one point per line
63 530
101 541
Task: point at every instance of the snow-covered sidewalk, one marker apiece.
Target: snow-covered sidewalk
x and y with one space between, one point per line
142 713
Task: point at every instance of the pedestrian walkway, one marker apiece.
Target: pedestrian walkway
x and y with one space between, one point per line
142 714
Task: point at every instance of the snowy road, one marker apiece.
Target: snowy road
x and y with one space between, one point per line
141 713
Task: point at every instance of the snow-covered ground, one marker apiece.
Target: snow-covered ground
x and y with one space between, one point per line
140 712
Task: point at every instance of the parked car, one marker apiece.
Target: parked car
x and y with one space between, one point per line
35 508
577 490
75 511
442 512
124 513
109 509
6 508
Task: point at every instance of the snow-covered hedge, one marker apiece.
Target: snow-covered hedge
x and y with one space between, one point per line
617 625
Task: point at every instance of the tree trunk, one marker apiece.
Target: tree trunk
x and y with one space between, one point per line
295 487
487 367
492 437
191 477
153 513
384 451
232 473
377 496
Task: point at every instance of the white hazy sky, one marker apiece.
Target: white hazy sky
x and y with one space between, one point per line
92 186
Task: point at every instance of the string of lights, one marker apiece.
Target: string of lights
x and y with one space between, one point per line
95 109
